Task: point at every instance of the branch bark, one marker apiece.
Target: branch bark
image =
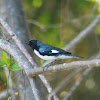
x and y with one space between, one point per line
66 66
23 62
80 36
13 13
25 52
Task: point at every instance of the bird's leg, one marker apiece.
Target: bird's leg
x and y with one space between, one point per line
47 65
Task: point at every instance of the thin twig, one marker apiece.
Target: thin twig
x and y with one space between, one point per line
92 13
41 26
10 83
65 81
83 33
77 84
48 87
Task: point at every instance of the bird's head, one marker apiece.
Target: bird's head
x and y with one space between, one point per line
34 43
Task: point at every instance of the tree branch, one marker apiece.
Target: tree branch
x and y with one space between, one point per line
66 66
71 65
5 93
9 80
77 84
25 52
83 33
22 61
69 78
47 85
18 42
65 81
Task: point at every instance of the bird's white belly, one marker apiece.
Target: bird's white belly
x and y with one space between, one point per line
51 57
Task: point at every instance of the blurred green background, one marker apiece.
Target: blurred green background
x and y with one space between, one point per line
57 22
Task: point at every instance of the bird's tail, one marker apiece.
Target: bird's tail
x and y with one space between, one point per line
74 56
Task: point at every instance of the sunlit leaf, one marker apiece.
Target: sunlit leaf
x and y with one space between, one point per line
15 67
1 63
12 61
5 58
37 3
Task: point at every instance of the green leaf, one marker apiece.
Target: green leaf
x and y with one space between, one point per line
15 67
37 3
5 58
1 63
12 61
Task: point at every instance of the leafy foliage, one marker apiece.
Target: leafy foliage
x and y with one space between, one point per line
10 63
5 58
15 67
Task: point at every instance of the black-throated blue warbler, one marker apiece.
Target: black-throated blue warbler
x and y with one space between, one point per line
48 52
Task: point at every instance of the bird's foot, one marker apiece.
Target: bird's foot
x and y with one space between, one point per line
48 65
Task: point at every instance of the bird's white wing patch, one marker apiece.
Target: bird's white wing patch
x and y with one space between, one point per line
55 51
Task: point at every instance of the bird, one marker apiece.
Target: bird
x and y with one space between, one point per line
48 52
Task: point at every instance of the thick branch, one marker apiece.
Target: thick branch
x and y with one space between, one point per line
13 13
18 42
4 94
13 51
66 66
21 59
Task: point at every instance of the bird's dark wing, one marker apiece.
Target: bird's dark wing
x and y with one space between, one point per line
50 50
45 50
